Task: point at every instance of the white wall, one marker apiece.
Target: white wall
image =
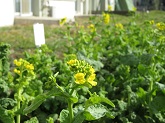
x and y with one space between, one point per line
6 12
63 8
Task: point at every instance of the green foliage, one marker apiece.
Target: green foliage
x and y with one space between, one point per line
32 120
64 116
6 116
128 59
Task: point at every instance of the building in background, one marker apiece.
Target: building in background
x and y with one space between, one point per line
6 12
58 9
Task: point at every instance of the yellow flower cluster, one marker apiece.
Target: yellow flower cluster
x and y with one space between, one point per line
151 22
106 18
134 9
63 21
160 26
109 8
17 71
119 25
92 28
22 65
29 67
83 72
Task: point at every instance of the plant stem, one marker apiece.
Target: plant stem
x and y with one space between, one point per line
18 117
150 96
151 88
70 108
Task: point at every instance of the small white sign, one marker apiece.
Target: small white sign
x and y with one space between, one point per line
39 35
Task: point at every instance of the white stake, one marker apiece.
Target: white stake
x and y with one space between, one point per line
39 34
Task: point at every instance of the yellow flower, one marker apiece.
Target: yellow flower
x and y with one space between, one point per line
92 28
119 25
134 9
151 22
63 21
79 78
17 71
17 63
92 70
160 26
72 62
30 67
106 18
91 78
109 8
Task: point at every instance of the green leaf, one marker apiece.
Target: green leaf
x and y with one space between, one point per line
64 116
74 99
6 116
129 59
36 103
146 59
141 93
32 120
122 105
7 103
41 98
160 116
95 112
157 104
161 86
79 118
97 99
108 114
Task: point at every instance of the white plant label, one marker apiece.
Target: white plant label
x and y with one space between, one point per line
39 35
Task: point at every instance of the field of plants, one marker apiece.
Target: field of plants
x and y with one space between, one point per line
103 69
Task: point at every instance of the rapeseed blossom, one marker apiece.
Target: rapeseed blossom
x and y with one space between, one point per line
151 22
79 78
106 18
92 28
91 79
22 65
17 71
83 72
72 62
109 8
160 26
17 63
134 9
119 25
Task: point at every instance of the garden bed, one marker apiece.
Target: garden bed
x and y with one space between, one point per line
109 68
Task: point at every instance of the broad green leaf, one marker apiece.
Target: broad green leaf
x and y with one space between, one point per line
41 98
129 59
5 116
32 120
36 103
157 104
95 112
64 116
97 99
